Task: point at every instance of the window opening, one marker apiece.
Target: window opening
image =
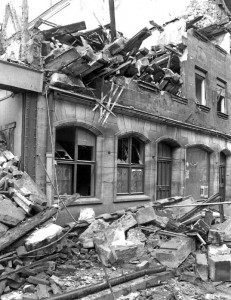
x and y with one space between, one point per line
130 166
221 91
75 156
200 87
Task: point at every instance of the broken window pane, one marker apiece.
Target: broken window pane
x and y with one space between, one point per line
130 178
137 152
122 180
64 174
137 180
122 155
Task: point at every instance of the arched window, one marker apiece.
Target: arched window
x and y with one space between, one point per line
130 166
75 156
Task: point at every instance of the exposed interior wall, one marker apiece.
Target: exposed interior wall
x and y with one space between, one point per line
11 111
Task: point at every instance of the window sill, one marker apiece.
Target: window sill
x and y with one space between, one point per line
204 108
83 201
131 198
179 99
222 115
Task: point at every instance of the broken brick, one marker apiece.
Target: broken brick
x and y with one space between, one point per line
66 268
142 266
37 280
42 291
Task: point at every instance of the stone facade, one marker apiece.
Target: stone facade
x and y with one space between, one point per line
181 122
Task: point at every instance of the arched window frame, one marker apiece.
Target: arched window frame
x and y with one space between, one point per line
133 169
76 161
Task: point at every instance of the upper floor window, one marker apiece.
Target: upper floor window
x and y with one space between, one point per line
75 156
130 166
221 96
200 86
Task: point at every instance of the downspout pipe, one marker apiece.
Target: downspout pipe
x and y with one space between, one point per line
82 292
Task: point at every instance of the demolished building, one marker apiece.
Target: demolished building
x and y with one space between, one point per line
116 122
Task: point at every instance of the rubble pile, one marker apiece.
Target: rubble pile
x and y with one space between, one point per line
96 56
20 197
186 244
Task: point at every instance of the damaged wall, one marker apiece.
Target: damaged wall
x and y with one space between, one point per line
214 63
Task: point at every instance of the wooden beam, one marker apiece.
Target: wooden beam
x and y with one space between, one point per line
62 30
112 18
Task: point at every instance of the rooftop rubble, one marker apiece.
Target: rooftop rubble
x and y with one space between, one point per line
73 58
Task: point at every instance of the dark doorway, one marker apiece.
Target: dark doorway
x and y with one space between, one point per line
164 171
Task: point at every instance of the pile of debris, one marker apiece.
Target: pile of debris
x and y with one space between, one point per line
97 56
175 237
20 197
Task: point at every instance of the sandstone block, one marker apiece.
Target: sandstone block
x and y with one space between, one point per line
42 236
147 214
126 222
220 267
106 254
202 268
173 252
10 214
136 235
125 253
95 227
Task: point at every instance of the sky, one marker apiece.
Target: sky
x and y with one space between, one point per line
131 15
